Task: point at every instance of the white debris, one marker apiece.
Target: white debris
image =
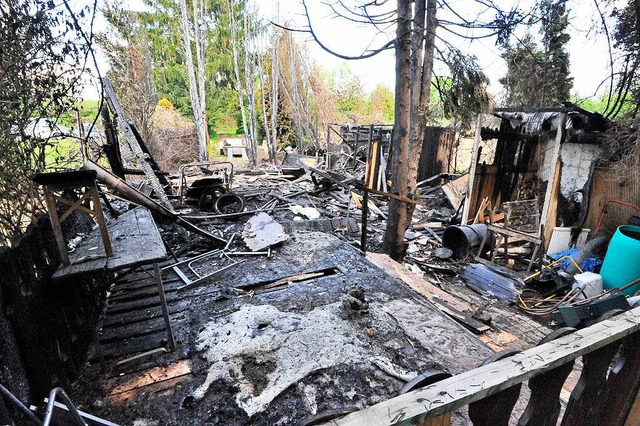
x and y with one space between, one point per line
296 344
262 231
308 212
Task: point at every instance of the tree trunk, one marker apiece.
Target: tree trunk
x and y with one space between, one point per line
236 65
275 68
198 112
398 220
414 68
265 123
201 48
294 93
249 76
417 118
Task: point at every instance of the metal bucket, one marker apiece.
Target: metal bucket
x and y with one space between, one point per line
465 239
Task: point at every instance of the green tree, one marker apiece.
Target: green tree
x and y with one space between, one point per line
525 81
169 72
625 98
540 76
42 48
555 38
349 93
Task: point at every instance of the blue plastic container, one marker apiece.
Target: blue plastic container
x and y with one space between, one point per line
622 262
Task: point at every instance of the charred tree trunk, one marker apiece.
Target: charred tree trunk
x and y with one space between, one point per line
414 47
398 215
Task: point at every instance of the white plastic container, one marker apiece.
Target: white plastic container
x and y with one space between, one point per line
590 282
561 238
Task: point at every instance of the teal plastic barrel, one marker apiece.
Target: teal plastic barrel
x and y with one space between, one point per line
622 262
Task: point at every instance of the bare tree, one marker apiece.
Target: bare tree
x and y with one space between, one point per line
236 63
415 49
273 95
196 86
249 73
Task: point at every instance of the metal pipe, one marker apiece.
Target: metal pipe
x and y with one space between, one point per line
19 405
129 192
65 399
123 188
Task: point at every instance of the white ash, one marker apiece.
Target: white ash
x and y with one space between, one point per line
297 344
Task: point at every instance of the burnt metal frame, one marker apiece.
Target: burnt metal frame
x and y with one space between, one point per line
227 174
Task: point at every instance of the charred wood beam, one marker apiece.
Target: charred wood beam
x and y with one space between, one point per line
487 134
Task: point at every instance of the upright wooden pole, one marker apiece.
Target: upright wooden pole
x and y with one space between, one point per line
472 172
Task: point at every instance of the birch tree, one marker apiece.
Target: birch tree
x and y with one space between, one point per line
273 94
236 63
264 85
196 85
249 70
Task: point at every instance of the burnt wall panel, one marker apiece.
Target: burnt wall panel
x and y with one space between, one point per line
435 156
613 183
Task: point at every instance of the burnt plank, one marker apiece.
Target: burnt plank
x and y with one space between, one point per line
140 328
585 405
135 240
623 380
142 315
153 301
150 291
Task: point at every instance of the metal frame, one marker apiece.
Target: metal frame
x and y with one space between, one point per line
183 170
189 283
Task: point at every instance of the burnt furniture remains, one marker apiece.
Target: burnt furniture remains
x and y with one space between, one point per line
82 183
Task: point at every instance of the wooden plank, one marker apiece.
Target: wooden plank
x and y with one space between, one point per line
472 171
552 215
154 301
135 239
147 291
123 348
462 389
146 377
465 319
417 283
513 233
126 399
139 329
586 403
551 200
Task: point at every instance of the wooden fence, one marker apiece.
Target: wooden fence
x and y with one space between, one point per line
605 394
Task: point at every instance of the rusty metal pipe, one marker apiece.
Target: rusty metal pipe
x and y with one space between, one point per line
132 194
127 191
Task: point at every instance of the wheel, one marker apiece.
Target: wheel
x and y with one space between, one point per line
208 198
229 203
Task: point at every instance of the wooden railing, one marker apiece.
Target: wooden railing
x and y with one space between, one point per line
606 392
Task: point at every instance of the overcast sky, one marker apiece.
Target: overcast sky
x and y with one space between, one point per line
588 52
